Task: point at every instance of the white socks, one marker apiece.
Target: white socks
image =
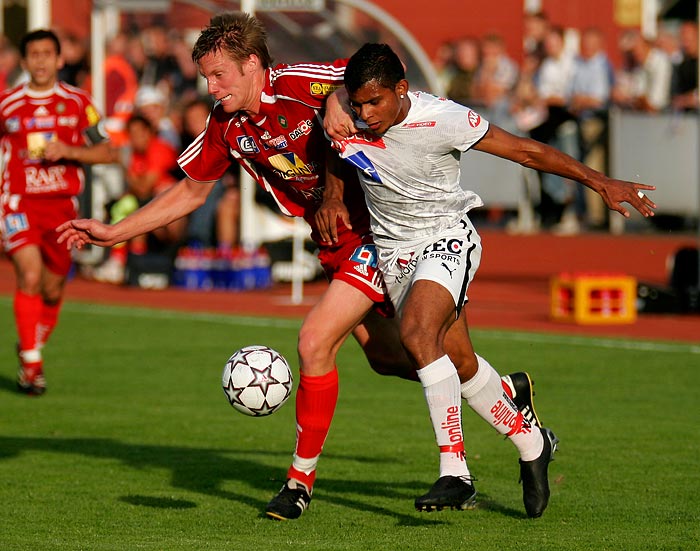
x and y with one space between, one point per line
485 394
442 393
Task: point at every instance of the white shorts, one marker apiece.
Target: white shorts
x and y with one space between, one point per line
450 260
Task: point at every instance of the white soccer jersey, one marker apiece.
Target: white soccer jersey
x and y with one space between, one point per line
411 174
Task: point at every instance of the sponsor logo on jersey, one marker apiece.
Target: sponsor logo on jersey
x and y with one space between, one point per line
282 120
247 145
15 223
280 142
68 121
473 118
289 166
93 116
12 124
302 129
420 124
323 88
361 161
366 255
42 180
39 123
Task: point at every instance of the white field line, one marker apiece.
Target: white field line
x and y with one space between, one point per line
294 324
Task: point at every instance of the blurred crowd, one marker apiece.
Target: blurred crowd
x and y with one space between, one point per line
153 111
561 93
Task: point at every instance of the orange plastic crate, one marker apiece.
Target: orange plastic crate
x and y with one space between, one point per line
592 298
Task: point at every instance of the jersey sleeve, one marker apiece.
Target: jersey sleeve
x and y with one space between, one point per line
468 127
309 83
207 158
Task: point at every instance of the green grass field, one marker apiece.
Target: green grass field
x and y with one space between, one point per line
134 446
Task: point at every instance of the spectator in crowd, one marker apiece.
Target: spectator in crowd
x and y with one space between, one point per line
535 28
526 107
684 92
217 221
590 97
161 68
554 80
466 64
153 104
121 84
41 180
10 68
494 80
147 173
444 64
649 86
75 68
184 80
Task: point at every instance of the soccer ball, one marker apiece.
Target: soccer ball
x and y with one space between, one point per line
257 380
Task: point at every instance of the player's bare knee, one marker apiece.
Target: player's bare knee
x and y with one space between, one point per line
316 356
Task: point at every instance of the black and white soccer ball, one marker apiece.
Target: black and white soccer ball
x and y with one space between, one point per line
257 380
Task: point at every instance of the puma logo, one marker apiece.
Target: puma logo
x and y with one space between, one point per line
448 269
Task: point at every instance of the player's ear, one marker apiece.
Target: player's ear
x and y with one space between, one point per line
401 88
251 64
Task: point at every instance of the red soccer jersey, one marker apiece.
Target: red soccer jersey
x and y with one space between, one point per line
28 121
283 147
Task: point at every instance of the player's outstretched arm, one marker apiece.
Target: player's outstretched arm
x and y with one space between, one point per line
174 203
542 157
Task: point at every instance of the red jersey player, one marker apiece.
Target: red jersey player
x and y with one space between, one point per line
268 119
45 129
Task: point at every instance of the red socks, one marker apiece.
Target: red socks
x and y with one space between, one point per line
28 309
315 404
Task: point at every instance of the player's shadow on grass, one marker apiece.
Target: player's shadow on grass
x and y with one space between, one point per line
7 384
206 470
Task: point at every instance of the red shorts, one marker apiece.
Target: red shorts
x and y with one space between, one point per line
33 221
355 263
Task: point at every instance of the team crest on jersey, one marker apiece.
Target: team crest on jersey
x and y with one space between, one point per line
289 166
12 124
323 88
473 118
282 120
302 129
60 108
362 162
247 145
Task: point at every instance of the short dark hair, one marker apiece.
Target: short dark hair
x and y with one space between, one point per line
138 118
39 34
236 34
376 62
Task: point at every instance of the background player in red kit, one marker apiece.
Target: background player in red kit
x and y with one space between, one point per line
47 130
268 119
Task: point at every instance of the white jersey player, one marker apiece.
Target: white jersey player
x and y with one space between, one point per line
410 177
408 161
